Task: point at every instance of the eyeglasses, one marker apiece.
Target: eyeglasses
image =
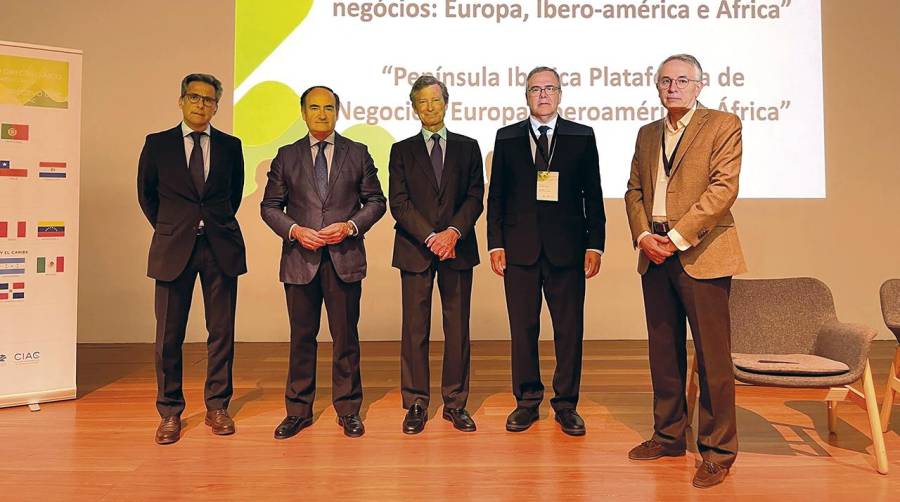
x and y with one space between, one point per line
549 89
680 82
196 98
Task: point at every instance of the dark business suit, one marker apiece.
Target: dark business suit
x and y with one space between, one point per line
332 273
174 208
545 244
423 206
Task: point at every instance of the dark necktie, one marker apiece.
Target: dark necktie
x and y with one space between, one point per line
195 166
437 158
322 170
540 161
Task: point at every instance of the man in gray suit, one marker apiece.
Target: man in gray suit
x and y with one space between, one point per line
322 195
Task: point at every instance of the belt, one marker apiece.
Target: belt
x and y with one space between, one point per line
659 227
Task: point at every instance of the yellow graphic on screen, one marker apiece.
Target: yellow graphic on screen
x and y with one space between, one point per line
34 82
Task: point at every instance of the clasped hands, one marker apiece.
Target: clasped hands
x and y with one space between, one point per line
657 247
592 262
330 235
443 244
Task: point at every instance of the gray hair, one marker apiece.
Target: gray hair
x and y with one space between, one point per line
686 58
202 77
540 69
423 82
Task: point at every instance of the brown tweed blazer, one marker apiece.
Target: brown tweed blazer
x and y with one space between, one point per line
703 186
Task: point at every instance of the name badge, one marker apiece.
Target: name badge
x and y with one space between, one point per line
548 186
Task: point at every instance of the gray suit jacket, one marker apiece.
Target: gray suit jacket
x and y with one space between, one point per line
354 193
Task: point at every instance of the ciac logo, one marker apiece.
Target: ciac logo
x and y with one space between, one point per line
27 356
2 358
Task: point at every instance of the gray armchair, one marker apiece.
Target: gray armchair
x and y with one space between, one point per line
785 333
890 310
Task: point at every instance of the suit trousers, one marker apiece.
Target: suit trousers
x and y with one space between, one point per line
563 288
670 296
455 287
304 305
172 304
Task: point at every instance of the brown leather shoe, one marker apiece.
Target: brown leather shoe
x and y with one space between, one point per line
221 423
169 430
652 450
709 474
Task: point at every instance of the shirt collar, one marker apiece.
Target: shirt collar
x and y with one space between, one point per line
313 141
186 130
683 121
535 123
428 134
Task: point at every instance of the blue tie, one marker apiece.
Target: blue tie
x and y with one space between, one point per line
322 170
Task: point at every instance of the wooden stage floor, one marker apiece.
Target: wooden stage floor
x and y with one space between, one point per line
100 447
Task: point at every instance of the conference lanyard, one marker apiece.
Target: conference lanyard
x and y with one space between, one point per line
667 161
547 156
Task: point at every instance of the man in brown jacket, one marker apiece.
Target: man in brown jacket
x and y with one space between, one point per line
684 180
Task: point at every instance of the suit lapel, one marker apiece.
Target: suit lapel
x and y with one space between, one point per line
307 171
337 162
655 154
216 158
450 160
420 152
690 134
525 143
179 162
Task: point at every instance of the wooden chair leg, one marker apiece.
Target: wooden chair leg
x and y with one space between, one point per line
879 451
893 383
692 378
832 415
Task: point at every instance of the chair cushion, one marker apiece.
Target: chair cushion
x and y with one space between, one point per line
789 364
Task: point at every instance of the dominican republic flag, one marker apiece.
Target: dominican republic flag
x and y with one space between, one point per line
51 229
52 170
13 265
7 171
12 291
12 230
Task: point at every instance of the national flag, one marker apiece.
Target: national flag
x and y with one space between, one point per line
50 170
12 265
12 291
7 233
51 229
6 170
14 131
18 291
51 265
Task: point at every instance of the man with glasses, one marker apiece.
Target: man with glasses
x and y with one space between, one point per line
546 232
190 181
322 196
684 180
436 196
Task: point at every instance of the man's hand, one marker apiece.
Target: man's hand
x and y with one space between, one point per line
443 244
335 233
591 264
657 248
498 262
307 237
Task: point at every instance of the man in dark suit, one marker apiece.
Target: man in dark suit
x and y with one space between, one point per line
190 180
546 231
322 195
436 195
